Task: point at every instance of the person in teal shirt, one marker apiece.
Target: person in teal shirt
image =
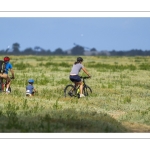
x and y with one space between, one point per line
4 75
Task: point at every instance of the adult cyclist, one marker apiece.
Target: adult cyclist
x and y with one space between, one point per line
74 74
4 75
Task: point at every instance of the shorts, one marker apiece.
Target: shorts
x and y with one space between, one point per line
28 92
75 78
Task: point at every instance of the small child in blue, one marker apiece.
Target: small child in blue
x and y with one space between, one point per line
30 88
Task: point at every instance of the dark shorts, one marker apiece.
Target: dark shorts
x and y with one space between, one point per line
75 78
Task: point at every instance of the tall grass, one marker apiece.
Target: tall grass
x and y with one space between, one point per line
119 102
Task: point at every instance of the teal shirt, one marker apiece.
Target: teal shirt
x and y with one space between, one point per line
7 67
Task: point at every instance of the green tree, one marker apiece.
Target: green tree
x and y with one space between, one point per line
58 51
16 47
93 50
77 50
28 51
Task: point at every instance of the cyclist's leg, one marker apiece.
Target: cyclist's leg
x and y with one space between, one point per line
81 87
76 84
5 76
8 81
77 80
80 83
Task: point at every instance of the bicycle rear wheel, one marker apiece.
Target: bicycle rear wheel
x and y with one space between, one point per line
87 90
69 91
1 85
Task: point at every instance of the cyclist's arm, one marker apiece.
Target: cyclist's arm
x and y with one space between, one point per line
12 73
86 72
34 90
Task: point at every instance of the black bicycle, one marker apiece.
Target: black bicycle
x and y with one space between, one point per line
74 91
3 85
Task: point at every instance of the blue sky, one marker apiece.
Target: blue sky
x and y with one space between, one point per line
102 33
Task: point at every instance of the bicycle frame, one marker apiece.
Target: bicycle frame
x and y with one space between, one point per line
77 88
83 80
74 90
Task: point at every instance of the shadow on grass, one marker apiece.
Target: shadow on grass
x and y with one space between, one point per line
61 121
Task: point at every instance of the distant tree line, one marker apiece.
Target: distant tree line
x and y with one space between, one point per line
76 50
133 52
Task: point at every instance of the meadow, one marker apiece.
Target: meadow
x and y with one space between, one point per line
120 102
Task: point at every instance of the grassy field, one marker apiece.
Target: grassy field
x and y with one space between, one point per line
120 102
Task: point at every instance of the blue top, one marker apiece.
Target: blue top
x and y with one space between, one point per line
29 88
7 67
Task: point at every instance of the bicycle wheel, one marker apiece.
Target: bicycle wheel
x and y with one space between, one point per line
87 90
1 85
69 91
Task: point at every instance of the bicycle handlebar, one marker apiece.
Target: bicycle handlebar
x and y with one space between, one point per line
84 77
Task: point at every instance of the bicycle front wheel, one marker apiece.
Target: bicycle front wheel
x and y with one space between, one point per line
87 90
69 91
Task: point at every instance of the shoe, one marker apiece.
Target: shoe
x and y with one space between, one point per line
82 95
7 91
28 94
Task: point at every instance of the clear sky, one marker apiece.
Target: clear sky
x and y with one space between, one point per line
102 33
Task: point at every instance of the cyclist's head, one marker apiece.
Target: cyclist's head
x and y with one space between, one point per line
6 59
79 59
31 81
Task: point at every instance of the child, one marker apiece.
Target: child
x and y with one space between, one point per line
30 88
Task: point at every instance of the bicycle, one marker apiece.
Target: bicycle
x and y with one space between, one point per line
3 86
73 91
